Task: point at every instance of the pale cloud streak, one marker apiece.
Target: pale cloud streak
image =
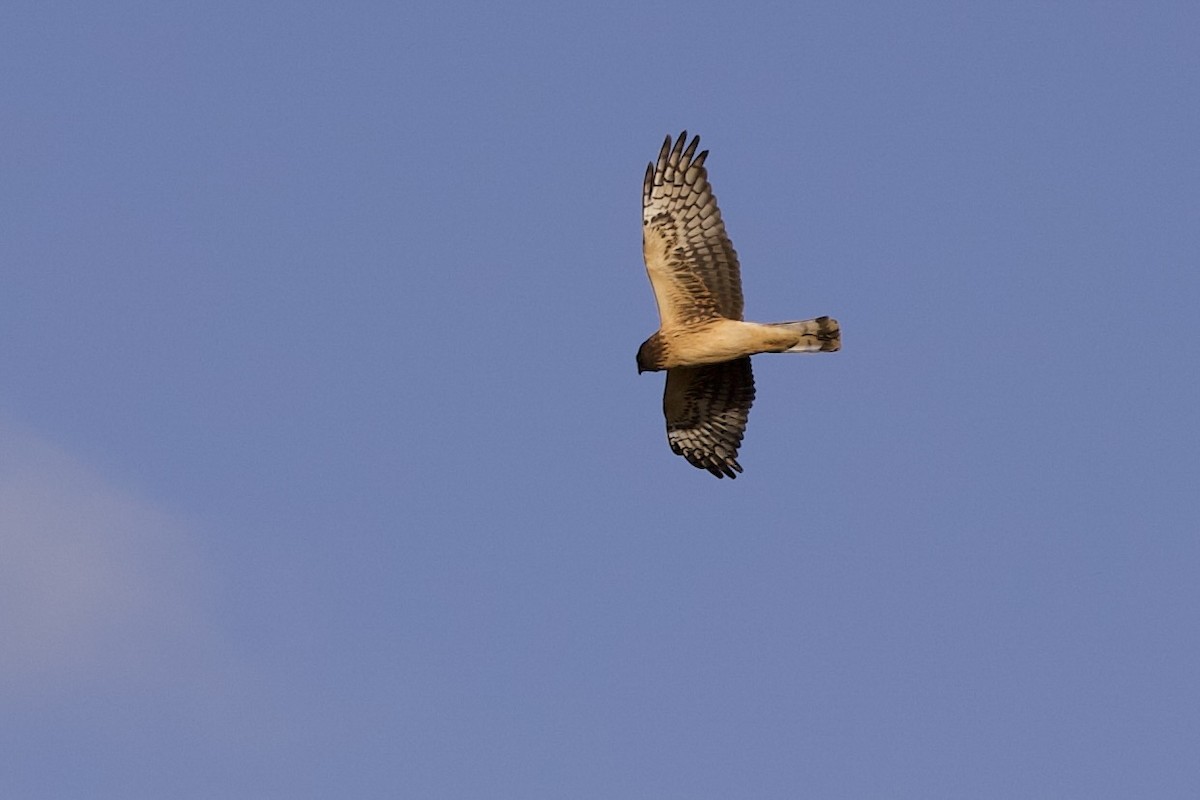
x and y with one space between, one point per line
110 641
98 588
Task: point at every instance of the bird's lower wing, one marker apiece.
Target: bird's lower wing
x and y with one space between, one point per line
706 409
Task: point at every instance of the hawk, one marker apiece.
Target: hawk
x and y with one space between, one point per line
702 341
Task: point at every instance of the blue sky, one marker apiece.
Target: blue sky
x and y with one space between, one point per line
325 469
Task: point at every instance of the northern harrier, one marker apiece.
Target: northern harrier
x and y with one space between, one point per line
702 342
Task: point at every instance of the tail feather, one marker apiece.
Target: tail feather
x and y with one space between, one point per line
820 335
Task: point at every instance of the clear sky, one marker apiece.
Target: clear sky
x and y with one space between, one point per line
326 471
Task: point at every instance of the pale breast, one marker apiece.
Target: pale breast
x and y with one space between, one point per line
720 340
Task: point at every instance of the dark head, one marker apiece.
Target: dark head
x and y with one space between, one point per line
651 355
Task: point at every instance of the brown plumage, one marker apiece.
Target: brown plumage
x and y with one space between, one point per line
702 341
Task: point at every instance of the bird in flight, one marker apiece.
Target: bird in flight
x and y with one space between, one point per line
702 341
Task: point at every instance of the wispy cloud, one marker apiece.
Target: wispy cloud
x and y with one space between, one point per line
99 589
108 636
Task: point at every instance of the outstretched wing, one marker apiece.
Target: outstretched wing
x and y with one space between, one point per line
691 262
706 410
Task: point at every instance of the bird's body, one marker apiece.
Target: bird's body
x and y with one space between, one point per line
716 340
702 341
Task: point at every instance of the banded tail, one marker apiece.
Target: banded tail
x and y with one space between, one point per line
820 335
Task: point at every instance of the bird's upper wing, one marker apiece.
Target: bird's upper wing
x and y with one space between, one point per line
706 409
691 262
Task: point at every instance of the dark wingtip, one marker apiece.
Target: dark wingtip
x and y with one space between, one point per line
677 150
721 469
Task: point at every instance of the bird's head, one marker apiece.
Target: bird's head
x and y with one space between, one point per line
650 355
